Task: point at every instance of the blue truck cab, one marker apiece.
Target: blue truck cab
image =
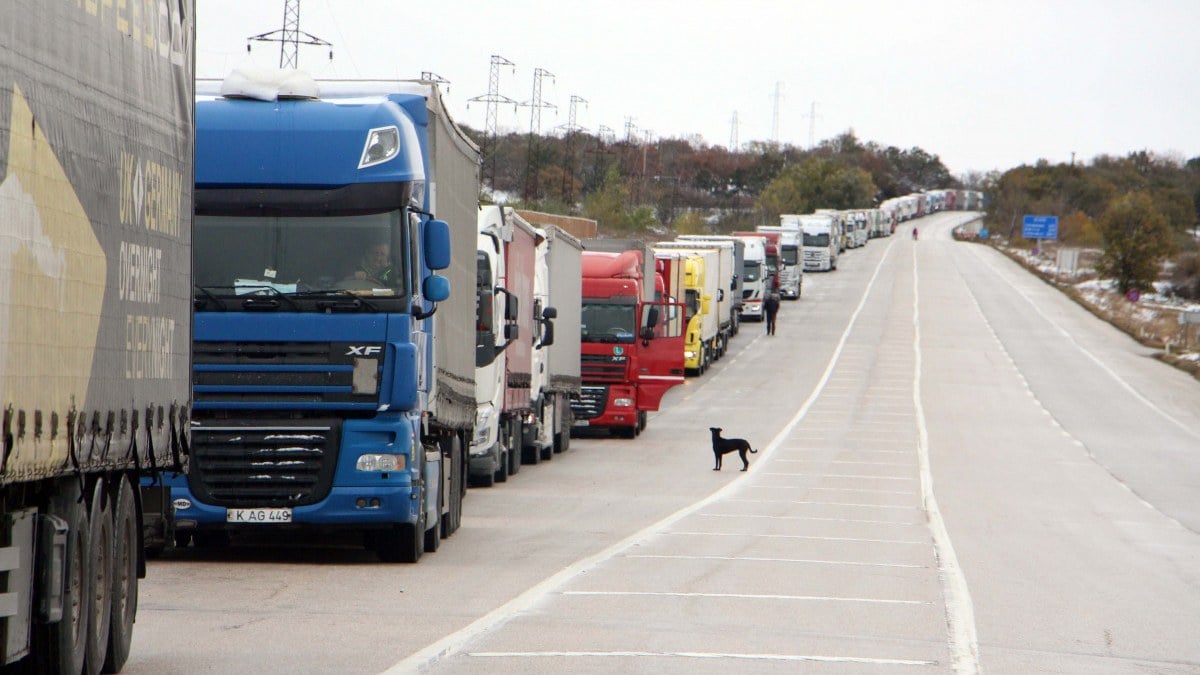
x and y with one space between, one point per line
314 368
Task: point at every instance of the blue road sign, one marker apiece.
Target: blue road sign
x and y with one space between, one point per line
1040 227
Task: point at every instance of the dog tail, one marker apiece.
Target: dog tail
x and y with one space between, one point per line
753 450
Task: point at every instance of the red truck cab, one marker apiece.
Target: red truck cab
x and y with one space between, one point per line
631 343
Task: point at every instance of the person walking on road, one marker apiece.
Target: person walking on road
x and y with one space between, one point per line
771 307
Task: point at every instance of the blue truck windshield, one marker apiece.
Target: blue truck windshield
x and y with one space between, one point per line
300 257
608 322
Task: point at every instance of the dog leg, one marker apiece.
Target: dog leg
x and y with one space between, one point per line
745 462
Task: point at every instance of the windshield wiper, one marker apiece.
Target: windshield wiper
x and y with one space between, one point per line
208 295
338 300
258 299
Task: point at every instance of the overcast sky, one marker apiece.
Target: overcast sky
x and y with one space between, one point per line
982 84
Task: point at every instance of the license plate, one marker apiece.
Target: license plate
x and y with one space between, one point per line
267 516
582 423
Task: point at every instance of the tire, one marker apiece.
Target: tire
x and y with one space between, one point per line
100 526
501 475
643 418
515 451
433 535
124 577
452 520
562 441
402 543
61 647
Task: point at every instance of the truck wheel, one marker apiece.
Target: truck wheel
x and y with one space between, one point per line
515 455
501 475
643 419
402 543
433 535
458 468
100 554
530 454
60 647
548 452
562 441
125 579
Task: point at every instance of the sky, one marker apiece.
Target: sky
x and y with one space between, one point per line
984 85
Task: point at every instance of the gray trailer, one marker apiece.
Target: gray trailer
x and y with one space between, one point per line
563 383
96 138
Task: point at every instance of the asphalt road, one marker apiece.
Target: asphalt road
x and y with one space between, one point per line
958 470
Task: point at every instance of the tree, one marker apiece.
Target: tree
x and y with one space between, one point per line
1137 238
817 184
607 204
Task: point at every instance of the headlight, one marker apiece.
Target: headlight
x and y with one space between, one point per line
622 403
382 145
689 355
381 463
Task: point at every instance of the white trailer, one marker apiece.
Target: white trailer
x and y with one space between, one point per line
791 275
560 289
734 284
754 277
820 241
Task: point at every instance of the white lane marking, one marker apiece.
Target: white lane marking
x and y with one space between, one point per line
816 503
807 561
710 655
750 596
843 461
817 518
835 489
1092 357
833 475
806 537
455 641
960 612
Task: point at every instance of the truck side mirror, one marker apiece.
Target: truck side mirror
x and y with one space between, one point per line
436 235
651 317
435 288
647 334
547 320
511 307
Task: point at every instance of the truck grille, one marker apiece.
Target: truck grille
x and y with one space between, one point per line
602 368
277 372
261 465
591 403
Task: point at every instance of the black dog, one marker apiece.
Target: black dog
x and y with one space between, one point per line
724 445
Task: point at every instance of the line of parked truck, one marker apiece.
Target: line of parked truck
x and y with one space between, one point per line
329 369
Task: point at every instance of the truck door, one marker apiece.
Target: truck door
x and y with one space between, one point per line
660 351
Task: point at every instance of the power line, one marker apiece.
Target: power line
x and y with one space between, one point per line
535 105
493 98
289 37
